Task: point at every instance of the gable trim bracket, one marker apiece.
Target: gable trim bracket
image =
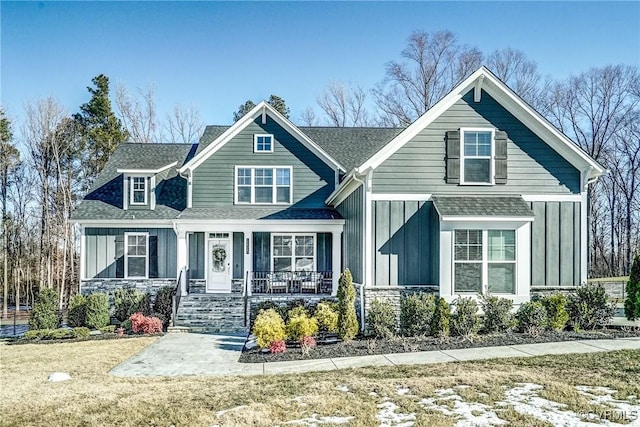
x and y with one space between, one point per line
477 89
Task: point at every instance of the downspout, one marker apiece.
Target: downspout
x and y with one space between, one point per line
364 252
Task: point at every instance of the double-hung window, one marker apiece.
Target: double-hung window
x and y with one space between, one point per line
263 185
136 255
262 143
485 257
138 195
477 156
293 252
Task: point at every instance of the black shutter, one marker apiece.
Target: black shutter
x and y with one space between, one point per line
120 256
153 256
453 157
500 160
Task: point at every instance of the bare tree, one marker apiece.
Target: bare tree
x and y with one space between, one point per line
344 105
433 65
184 125
308 117
519 72
138 114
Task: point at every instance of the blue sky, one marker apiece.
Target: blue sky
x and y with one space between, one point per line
217 55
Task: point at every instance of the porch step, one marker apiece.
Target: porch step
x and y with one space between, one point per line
212 313
178 329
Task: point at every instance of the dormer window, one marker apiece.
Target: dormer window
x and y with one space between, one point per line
263 143
477 156
138 190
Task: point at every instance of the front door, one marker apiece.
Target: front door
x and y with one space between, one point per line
219 262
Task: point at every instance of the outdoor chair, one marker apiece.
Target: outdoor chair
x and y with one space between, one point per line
276 283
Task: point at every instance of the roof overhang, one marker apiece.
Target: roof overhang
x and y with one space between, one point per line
147 171
261 110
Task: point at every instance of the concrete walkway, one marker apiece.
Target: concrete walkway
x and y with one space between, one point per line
199 354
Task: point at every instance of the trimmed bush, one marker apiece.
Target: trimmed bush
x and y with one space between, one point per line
327 317
76 314
130 301
416 314
301 326
297 311
45 314
532 318
498 314
163 305
589 307
556 310
465 321
441 319
632 301
109 329
269 327
127 325
381 319
347 320
278 346
97 311
81 332
50 334
146 325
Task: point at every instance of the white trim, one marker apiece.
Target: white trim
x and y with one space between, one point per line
147 171
349 184
491 157
208 286
293 256
125 192
190 190
416 197
584 228
336 257
276 226
132 180
274 185
126 255
152 192
511 102
123 223
262 135
237 127
477 89
552 197
368 230
453 218
83 253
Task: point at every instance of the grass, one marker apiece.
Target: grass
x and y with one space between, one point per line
93 397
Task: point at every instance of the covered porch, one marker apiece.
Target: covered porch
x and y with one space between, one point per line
260 257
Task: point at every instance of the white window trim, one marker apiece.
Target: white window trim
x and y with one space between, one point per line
274 185
131 191
293 248
255 142
126 255
484 285
492 158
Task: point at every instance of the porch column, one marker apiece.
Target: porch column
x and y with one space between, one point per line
336 257
247 250
182 258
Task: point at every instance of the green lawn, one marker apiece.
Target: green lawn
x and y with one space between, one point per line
93 397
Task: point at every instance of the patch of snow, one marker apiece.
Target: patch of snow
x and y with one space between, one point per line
314 420
221 413
95 333
59 376
604 396
388 416
343 388
401 391
468 413
373 393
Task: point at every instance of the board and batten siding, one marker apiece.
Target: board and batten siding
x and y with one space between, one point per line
406 242
197 248
104 253
351 209
532 166
555 244
213 181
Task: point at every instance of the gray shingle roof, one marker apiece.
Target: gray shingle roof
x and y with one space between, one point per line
350 146
251 213
482 206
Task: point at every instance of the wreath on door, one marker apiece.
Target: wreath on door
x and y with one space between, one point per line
218 256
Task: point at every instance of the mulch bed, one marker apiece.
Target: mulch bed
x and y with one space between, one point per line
363 346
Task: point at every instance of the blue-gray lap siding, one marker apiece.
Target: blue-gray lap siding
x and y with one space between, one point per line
351 209
213 181
104 252
406 242
532 166
555 244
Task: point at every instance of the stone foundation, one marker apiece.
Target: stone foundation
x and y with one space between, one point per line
392 295
108 286
199 286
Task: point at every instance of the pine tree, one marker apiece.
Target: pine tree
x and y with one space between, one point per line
274 100
632 303
102 131
347 321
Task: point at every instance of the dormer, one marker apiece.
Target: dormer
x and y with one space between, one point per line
140 187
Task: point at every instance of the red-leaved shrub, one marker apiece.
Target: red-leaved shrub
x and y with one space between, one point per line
278 346
146 325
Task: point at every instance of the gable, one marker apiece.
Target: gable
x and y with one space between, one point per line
213 178
533 167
